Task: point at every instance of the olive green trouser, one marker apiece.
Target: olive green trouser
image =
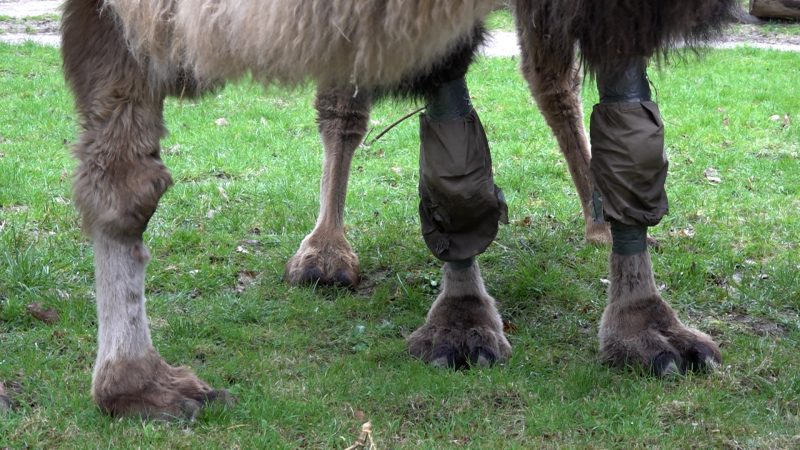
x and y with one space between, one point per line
460 205
629 166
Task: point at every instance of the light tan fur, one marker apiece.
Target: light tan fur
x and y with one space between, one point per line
325 256
335 42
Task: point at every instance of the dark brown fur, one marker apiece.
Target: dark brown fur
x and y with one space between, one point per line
639 328
463 326
612 32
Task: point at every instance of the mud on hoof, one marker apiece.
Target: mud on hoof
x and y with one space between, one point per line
149 388
648 334
324 261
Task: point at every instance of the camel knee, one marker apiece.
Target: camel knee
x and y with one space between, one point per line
118 198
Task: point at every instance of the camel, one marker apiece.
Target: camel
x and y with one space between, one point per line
123 57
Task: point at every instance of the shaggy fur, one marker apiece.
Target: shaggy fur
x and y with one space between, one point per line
335 42
638 328
463 326
612 32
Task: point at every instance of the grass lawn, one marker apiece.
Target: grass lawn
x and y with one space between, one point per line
310 365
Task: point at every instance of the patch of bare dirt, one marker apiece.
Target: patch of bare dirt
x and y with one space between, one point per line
772 33
29 26
755 325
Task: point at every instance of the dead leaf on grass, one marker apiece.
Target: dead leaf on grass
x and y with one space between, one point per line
712 175
221 122
687 232
364 439
525 222
46 315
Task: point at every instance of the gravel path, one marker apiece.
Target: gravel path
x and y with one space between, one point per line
24 25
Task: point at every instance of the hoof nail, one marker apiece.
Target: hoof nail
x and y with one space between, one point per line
344 279
665 364
311 276
221 396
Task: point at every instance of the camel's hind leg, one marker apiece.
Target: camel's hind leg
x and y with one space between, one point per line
118 182
554 79
325 255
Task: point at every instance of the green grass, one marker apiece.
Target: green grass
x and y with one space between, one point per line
500 20
310 365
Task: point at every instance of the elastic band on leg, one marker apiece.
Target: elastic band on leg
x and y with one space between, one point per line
461 265
628 239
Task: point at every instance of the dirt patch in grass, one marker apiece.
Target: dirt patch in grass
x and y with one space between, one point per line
773 32
44 25
755 325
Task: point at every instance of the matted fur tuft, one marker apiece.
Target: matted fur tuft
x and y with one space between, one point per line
335 42
611 33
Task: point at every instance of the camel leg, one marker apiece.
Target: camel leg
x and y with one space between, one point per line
629 168
325 256
459 210
554 79
118 182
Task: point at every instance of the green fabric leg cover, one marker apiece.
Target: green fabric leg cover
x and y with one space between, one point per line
629 166
460 205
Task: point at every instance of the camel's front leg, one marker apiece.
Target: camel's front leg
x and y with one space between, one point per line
629 168
118 183
459 210
325 255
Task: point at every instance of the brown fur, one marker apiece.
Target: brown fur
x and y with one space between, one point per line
325 255
555 81
120 177
148 387
463 326
611 32
638 326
